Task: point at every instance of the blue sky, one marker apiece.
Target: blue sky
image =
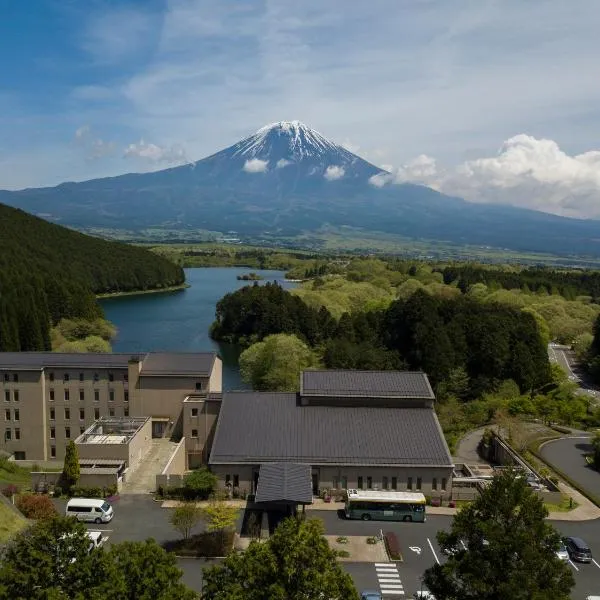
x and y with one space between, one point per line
467 96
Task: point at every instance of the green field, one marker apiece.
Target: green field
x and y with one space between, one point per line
10 523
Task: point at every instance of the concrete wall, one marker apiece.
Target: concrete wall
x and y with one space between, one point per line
216 377
332 478
139 445
199 429
177 462
169 481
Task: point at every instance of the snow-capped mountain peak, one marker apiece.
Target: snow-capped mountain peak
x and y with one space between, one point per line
288 141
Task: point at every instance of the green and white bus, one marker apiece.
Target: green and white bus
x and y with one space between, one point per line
385 506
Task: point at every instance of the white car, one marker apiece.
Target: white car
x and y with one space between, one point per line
562 553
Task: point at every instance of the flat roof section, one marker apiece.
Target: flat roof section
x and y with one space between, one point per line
85 360
112 430
172 364
377 384
256 428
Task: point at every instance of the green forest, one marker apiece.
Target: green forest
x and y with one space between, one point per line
49 273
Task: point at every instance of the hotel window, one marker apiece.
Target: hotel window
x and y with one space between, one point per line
17 434
68 432
194 412
236 481
52 414
434 484
125 377
51 376
7 414
360 483
67 414
16 414
384 483
409 483
111 412
369 483
7 434
111 377
444 484
96 395
16 378
20 455
126 396
67 396
194 433
111 395
6 377
81 377
51 394
82 414
394 483
95 376
52 433
16 395
81 395
96 413
53 451
7 396
344 483
198 386
66 377
419 482
126 411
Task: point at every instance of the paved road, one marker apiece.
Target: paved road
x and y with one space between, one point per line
139 517
565 357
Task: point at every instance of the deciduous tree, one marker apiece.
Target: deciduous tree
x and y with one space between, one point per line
296 562
185 517
500 546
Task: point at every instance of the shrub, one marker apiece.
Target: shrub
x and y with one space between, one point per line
436 502
343 553
36 507
199 484
93 492
393 545
11 490
342 539
207 544
372 540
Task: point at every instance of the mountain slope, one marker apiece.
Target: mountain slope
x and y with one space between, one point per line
48 272
287 179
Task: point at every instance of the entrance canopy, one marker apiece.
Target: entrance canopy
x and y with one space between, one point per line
284 482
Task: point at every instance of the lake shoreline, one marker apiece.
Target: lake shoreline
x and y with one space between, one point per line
174 288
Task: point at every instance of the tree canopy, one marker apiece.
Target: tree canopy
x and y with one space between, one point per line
500 546
49 272
295 562
53 560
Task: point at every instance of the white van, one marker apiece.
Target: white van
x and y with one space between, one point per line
89 509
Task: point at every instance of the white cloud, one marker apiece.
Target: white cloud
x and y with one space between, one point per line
255 165
283 162
333 172
526 172
82 132
95 148
156 154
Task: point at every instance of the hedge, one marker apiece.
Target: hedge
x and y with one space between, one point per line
392 545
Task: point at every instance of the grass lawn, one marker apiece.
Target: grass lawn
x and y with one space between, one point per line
565 506
10 523
11 473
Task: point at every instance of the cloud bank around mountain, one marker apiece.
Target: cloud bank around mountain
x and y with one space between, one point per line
174 155
527 172
333 172
255 165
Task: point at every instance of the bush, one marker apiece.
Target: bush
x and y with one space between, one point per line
36 507
393 545
199 484
343 553
372 540
11 490
93 492
207 544
342 539
436 502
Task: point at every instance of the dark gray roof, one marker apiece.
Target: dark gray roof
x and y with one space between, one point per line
287 482
389 384
178 363
39 360
258 427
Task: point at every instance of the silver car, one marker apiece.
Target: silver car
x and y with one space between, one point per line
562 552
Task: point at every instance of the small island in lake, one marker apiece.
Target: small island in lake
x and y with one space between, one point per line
250 277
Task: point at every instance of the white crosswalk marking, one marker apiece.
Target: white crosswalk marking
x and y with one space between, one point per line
389 580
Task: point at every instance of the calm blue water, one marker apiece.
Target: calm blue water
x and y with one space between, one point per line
179 321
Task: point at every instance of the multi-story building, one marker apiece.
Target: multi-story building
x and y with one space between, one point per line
50 398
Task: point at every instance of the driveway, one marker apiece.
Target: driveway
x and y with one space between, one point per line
567 454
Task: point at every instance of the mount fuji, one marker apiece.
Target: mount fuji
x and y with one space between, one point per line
288 180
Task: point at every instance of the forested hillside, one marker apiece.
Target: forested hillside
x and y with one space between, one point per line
48 273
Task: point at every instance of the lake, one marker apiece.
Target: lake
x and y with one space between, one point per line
179 321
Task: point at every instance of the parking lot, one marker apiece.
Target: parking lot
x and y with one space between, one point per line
139 517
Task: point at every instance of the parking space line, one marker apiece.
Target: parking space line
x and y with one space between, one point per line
437 560
594 561
573 565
